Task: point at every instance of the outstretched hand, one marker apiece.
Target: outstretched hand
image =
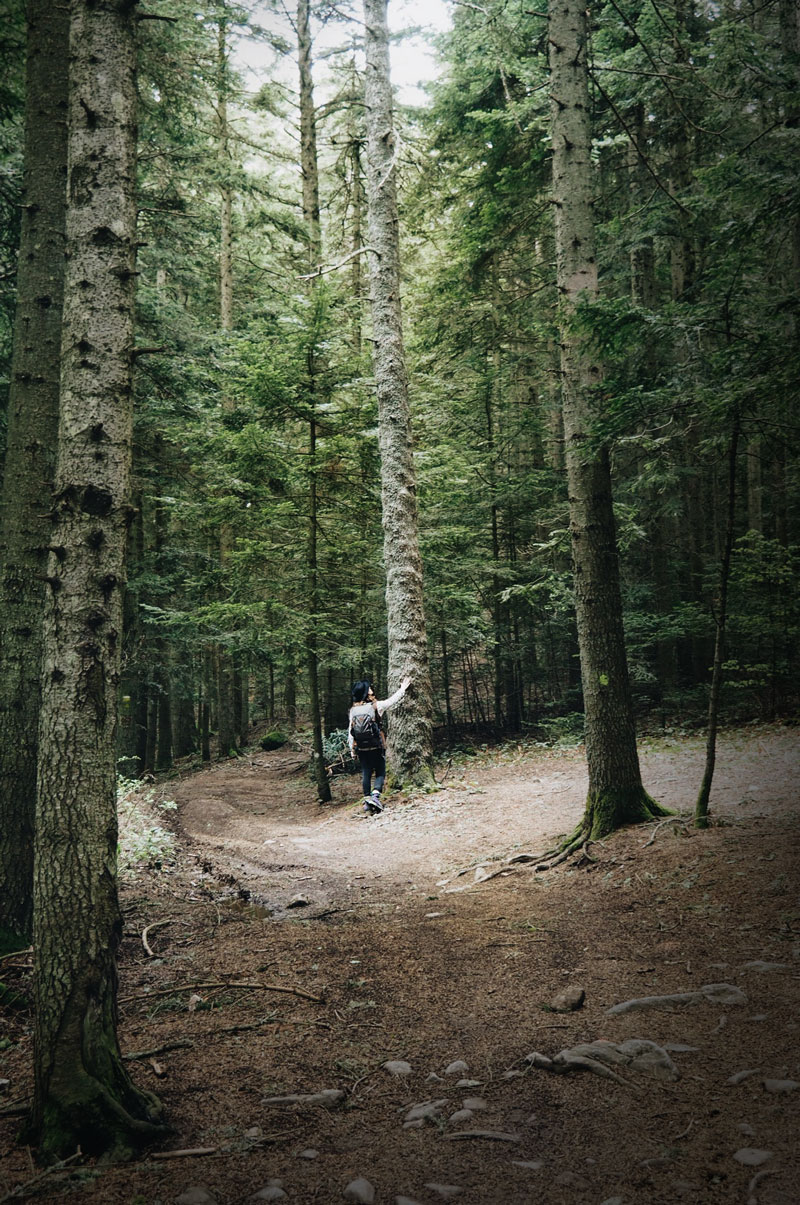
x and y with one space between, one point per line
404 685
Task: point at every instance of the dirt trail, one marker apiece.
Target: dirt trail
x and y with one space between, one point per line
258 821
240 1001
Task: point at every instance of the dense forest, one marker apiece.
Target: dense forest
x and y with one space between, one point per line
500 391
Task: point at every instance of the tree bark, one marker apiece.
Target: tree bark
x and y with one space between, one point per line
721 617
616 795
411 724
228 735
30 456
83 1094
310 171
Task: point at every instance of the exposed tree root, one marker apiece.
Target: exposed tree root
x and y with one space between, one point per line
676 821
21 1189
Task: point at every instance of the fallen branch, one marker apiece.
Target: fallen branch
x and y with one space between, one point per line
752 1199
186 1153
156 924
180 1044
681 821
15 954
207 987
492 1135
21 1189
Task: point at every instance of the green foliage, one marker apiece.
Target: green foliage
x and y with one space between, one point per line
274 739
144 843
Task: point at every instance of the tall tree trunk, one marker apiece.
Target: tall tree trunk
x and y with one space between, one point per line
616 795
83 1094
721 617
411 724
30 455
310 171
228 736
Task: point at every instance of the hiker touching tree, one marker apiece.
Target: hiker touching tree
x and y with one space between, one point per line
367 741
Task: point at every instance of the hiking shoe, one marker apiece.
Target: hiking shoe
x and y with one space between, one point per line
377 806
368 805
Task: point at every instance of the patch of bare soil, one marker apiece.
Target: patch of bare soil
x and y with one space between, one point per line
406 952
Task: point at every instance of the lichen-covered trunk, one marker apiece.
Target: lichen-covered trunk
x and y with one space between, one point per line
30 455
83 1094
411 726
616 795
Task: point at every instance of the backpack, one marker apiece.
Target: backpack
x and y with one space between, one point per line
365 730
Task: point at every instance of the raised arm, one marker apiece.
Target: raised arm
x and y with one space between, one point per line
385 704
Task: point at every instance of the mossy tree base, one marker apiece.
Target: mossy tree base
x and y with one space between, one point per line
613 808
113 1121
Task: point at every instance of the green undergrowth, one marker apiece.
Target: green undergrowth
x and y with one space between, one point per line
144 841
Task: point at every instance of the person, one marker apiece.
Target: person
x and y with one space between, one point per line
367 741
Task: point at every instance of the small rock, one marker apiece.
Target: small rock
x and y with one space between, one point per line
433 1078
571 1180
531 1165
474 1103
568 1001
763 967
414 1125
361 1191
745 1128
448 1191
196 1195
457 1068
428 1110
254 1132
739 1076
514 1073
684 1188
308 1153
751 1157
780 1087
405 1201
397 1067
462 1115
759 1017
468 1083
298 901
272 1192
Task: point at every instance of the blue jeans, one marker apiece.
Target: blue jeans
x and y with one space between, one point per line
373 761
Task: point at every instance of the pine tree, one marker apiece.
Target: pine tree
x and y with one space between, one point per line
83 1092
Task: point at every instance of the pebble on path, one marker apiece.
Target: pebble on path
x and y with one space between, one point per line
739 1076
427 1111
459 1067
750 1157
196 1195
360 1191
271 1192
448 1191
780 1087
568 1001
308 1153
397 1067
461 1116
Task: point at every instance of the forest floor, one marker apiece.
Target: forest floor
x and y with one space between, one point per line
296 949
